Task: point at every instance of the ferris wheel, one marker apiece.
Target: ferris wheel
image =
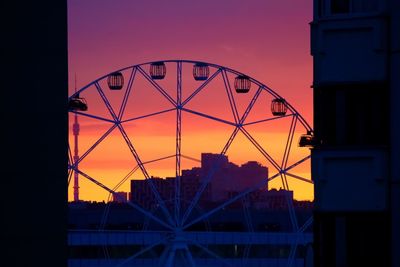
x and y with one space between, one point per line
205 149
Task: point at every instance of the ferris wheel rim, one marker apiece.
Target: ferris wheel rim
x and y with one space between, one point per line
217 66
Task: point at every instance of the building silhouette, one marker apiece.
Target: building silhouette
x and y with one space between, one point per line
120 197
226 180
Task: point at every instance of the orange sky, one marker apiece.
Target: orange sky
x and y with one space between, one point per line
267 41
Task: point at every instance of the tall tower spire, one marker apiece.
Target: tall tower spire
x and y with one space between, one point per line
75 128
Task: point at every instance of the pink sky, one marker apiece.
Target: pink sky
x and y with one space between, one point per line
268 40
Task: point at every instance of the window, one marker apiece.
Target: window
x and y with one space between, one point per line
352 115
340 6
333 7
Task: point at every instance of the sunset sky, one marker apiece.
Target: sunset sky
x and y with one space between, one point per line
267 40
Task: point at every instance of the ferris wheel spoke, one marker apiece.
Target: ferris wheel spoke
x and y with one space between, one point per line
144 250
228 90
280 172
268 119
70 163
105 214
153 188
276 175
178 144
70 172
115 188
250 106
298 177
70 157
292 166
289 142
96 144
258 186
126 177
130 203
208 178
309 221
148 115
201 87
92 116
230 140
196 198
209 117
246 212
127 93
158 159
106 102
289 200
157 86
260 148
191 158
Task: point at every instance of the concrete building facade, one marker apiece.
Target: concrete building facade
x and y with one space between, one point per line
355 47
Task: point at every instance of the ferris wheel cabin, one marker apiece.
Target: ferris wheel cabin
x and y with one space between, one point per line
307 140
278 107
158 70
201 71
242 84
115 81
77 104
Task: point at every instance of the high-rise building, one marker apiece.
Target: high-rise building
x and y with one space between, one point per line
210 160
355 164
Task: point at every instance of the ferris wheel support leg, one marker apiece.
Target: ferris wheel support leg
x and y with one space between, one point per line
170 256
190 257
289 201
223 261
292 254
137 254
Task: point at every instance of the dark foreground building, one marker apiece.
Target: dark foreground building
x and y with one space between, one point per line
355 163
34 133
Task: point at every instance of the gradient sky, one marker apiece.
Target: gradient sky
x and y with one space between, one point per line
268 40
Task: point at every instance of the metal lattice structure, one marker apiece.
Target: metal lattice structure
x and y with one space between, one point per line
175 216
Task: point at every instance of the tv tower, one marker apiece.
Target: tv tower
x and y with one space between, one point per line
75 128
